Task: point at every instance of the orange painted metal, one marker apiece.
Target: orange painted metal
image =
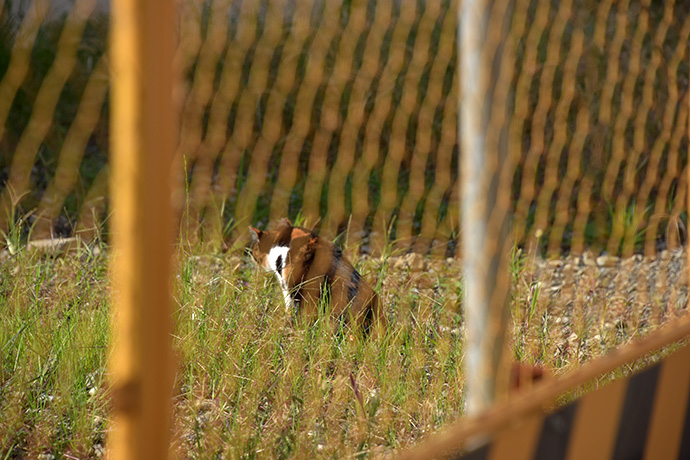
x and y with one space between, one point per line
143 140
596 422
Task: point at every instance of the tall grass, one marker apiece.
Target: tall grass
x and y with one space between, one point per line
54 322
253 381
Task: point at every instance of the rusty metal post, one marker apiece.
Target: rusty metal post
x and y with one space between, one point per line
484 223
142 142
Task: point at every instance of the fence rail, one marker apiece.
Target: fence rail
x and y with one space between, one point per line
346 114
631 416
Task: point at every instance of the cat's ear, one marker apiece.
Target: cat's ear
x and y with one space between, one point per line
286 221
255 233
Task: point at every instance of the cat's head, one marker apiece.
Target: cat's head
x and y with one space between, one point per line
263 240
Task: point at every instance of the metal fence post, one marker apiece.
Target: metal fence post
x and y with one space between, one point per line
484 224
142 142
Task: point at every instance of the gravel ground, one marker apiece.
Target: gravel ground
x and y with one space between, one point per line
568 310
660 281
651 286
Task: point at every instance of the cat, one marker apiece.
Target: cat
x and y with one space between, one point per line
306 265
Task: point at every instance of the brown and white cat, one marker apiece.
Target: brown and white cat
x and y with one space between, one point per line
306 264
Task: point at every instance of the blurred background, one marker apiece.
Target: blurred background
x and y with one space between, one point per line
343 115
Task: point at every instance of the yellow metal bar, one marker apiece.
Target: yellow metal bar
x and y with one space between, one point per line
665 434
142 134
502 414
596 422
519 443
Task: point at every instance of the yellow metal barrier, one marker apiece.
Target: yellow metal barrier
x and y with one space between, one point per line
518 425
143 142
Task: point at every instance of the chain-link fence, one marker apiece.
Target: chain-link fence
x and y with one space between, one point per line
344 117
345 113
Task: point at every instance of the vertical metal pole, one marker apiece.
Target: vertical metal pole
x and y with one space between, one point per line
485 244
142 142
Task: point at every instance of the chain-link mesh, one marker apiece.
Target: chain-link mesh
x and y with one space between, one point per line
344 117
346 114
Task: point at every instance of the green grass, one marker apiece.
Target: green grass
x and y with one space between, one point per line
252 381
54 322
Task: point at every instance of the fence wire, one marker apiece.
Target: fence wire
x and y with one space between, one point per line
345 114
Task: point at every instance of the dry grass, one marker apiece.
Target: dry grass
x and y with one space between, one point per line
254 382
